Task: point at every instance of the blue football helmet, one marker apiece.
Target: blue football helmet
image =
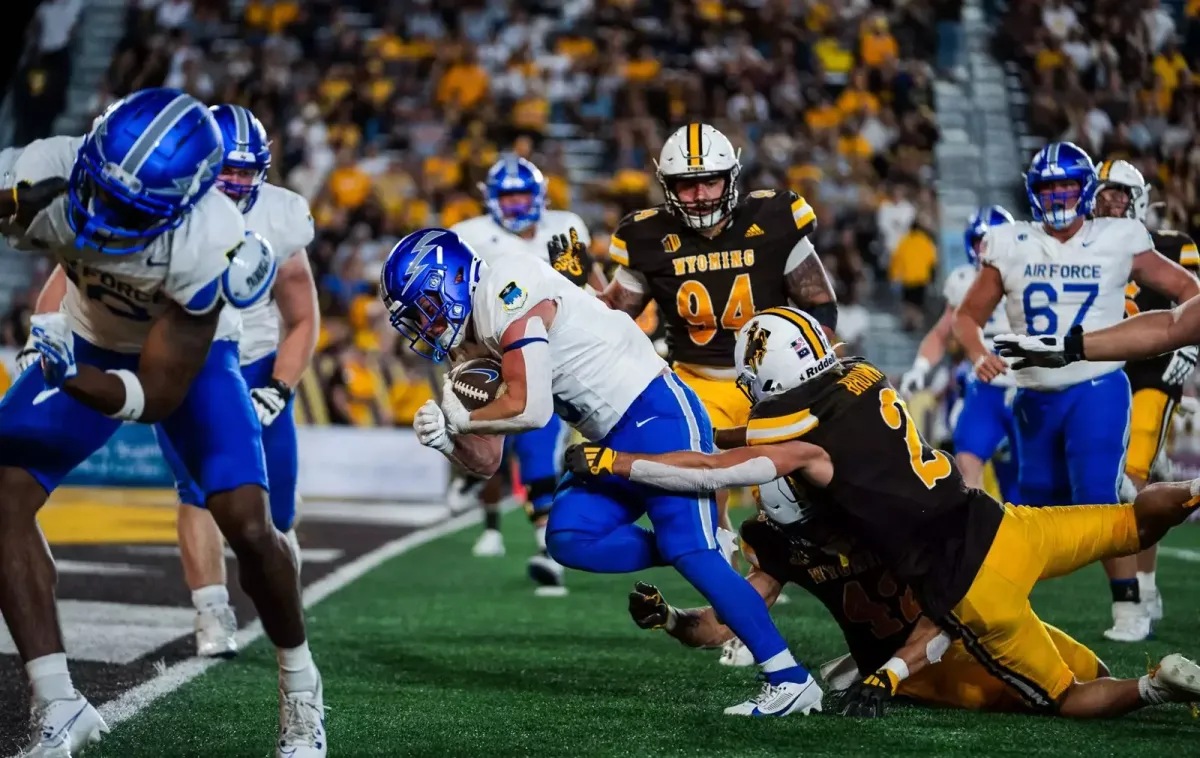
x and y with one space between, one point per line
426 284
979 222
143 167
1060 161
247 149
512 175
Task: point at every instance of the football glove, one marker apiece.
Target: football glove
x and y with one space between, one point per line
270 401
590 460
28 356
647 607
430 425
1182 364
1024 351
51 336
868 698
914 379
569 257
27 199
455 415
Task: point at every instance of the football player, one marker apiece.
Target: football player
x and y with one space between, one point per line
143 336
1059 271
985 420
518 221
710 259
563 351
839 428
789 543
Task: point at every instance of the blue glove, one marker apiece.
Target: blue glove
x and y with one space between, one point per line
51 337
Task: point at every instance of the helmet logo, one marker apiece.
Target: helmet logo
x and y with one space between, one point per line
756 347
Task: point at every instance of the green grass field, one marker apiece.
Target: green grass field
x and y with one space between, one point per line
436 653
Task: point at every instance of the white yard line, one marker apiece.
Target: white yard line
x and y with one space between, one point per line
1182 553
137 699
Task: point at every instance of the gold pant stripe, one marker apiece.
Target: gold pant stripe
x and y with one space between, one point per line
1150 424
1029 691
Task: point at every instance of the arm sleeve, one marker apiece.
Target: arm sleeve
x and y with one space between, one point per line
200 253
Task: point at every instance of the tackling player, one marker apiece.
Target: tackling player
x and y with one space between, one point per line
1062 270
985 420
841 430
562 350
142 337
790 542
518 222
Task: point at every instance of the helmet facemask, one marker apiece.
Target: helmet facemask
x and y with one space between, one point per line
700 214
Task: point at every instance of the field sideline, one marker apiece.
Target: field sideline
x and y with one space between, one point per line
435 653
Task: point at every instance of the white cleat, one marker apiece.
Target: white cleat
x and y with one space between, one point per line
489 545
215 630
735 653
781 700
1152 602
463 494
1131 623
548 573
1178 677
63 728
302 724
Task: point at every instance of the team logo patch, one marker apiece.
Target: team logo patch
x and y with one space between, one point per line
513 297
756 347
670 243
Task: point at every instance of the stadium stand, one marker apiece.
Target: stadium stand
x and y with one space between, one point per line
387 121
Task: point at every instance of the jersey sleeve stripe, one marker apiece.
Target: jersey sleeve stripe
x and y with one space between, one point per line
1189 255
618 251
695 153
806 329
802 213
765 431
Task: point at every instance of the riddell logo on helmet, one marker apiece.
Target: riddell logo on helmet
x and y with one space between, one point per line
817 368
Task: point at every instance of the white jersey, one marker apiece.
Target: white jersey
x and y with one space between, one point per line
113 300
601 359
955 291
489 240
1052 285
282 217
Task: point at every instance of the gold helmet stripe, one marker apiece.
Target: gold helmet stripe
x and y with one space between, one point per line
815 339
694 151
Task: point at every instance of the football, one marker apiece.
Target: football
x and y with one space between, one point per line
477 382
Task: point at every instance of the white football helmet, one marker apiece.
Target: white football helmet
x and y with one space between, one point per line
779 349
1125 175
783 503
699 151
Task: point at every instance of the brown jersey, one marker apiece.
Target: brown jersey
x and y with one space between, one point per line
707 288
906 500
875 612
1148 373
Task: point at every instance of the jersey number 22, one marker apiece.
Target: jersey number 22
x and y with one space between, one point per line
895 415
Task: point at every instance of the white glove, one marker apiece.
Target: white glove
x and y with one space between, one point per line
51 337
913 380
270 401
430 425
457 417
28 356
1183 362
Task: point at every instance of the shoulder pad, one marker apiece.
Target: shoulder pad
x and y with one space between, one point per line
251 272
786 202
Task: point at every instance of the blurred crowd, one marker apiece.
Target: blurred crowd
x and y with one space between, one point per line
1120 79
386 114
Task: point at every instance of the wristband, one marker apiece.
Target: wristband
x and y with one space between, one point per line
135 396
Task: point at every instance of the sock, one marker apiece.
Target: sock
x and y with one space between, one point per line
49 677
212 596
626 549
1146 585
1152 692
742 609
539 534
1125 590
491 519
296 670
